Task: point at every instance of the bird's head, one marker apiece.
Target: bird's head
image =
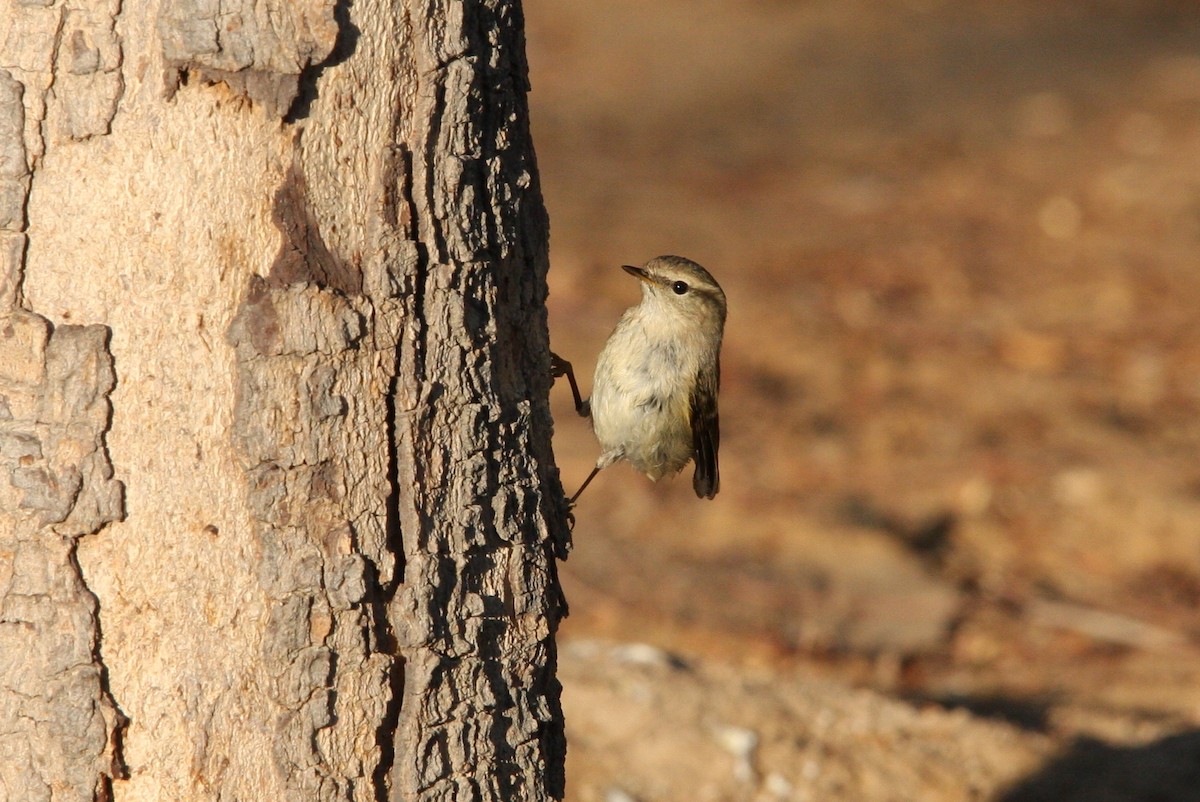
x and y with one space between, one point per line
682 287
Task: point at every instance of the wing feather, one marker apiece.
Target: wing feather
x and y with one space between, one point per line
706 433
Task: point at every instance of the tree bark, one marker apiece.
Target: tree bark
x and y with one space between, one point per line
278 509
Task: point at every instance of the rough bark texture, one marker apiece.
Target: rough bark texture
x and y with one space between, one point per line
480 692
256 48
58 725
280 268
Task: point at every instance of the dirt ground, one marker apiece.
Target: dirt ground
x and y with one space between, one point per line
956 554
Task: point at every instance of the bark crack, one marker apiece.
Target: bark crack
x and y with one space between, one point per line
52 75
436 113
118 769
384 635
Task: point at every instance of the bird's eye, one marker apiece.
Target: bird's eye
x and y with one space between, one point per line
680 287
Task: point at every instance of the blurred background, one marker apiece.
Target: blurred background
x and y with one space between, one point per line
956 552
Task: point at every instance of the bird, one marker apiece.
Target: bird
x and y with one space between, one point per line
654 393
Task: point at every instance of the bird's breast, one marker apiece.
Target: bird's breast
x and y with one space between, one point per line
641 399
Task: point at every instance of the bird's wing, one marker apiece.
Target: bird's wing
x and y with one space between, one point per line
706 432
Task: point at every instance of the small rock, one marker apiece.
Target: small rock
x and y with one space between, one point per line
615 794
741 743
641 654
777 785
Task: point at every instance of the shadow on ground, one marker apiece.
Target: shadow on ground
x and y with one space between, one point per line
1027 714
1166 770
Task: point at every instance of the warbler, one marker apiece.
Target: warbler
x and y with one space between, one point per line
654 394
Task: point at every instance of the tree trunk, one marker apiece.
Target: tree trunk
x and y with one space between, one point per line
278 509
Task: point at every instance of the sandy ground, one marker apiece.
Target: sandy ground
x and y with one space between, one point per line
956 554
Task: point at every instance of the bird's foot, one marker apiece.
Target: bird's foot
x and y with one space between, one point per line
560 367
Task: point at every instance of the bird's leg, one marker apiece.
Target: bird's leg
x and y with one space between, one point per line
561 367
586 482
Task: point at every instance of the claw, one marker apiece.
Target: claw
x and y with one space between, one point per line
560 367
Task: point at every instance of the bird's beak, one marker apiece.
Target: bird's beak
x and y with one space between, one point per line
639 273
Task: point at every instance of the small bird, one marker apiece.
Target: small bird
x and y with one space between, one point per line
654 395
